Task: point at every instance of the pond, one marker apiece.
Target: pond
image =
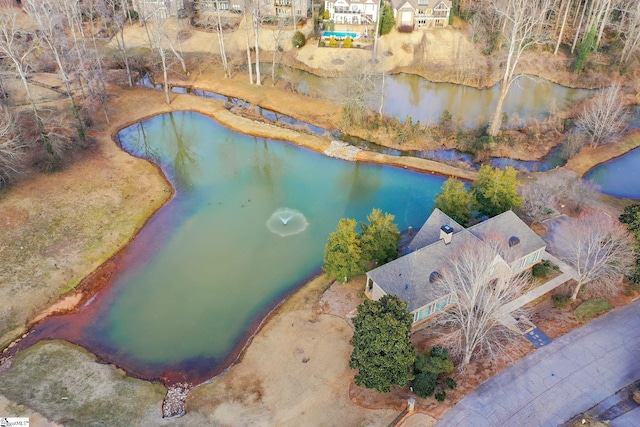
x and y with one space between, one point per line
618 177
246 226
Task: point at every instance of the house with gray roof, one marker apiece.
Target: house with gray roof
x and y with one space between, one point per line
147 9
422 13
352 12
411 276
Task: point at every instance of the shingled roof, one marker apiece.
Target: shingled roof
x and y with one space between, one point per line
508 227
430 231
409 276
429 4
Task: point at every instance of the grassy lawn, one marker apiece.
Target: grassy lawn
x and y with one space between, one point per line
592 308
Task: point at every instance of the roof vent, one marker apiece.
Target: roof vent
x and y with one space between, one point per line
446 231
513 240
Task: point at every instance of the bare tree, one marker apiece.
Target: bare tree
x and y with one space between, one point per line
156 40
247 12
12 147
542 196
257 21
564 22
16 48
604 117
630 29
539 197
480 286
51 24
359 90
277 39
110 12
217 25
524 22
160 27
598 247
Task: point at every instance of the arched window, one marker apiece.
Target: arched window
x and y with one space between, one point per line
513 240
434 276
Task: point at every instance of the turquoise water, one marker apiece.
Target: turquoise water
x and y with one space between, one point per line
619 177
211 262
340 34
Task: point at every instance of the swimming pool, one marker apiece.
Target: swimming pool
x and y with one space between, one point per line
340 34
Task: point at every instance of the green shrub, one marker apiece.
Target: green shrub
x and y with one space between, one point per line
298 39
543 269
333 42
451 383
348 42
439 352
539 271
322 44
560 300
133 14
590 309
441 395
424 384
420 364
436 361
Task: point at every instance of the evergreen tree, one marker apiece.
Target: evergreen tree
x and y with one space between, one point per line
343 252
585 49
382 351
456 201
386 20
631 218
379 238
495 190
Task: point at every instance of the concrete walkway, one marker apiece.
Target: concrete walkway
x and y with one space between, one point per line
560 380
568 273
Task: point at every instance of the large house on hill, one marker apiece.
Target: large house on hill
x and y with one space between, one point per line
352 12
411 276
163 8
422 13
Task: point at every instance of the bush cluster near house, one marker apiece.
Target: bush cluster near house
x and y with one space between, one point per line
349 253
493 193
431 369
544 269
382 351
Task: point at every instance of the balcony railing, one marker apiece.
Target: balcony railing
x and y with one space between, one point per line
355 12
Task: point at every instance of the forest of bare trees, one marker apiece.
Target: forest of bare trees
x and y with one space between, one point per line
585 30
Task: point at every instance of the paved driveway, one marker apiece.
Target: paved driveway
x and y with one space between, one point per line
560 380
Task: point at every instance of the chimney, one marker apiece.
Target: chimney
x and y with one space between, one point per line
446 232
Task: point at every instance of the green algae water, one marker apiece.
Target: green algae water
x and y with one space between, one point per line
247 224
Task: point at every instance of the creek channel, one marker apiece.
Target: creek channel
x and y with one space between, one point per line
411 95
